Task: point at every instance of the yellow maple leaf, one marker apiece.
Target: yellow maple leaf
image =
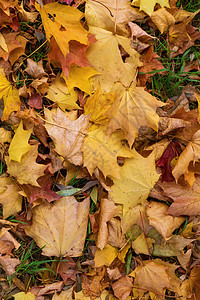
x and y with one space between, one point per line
10 96
80 77
27 171
9 196
106 58
138 176
133 108
60 229
63 23
148 6
97 105
59 93
24 296
19 144
102 151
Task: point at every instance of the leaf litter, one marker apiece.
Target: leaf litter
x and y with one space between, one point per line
99 173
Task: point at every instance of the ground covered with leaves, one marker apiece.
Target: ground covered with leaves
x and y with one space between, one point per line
100 149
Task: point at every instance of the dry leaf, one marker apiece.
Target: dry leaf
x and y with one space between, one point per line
123 287
67 135
27 171
60 228
161 220
133 108
138 176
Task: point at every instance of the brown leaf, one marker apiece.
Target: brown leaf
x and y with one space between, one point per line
162 19
60 228
123 287
108 209
163 222
35 69
9 264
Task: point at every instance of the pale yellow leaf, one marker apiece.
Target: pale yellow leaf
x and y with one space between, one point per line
102 151
60 227
59 93
148 6
133 108
105 57
138 176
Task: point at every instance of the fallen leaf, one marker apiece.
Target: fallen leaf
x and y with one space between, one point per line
9 196
76 55
27 171
9 264
34 69
161 220
59 93
149 274
105 15
186 199
191 153
60 228
190 287
19 144
67 135
97 105
63 23
24 296
80 77
35 101
142 244
10 96
138 176
64 295
184 258
133 108
106 58
162 19
102 152
123 287
108 210
105 256
148 7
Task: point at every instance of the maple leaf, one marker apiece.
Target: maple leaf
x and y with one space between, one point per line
191 153
27 171
79 77
8 264
44 191
9 196
123 287
149 274
170 152
60 229
186 199
59 93
97 106
19 144
148 6
67 135
106 58
105 14
102 152
63 23
133 108
138 176
161 220
24 296
76 55
162 19
10 96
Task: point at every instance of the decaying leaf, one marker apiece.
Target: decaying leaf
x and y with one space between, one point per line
60 227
